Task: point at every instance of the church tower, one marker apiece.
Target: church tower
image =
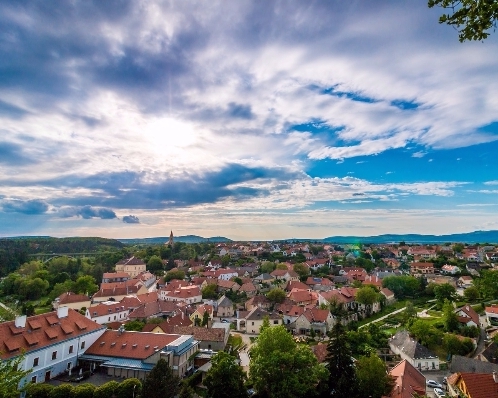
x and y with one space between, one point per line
170 241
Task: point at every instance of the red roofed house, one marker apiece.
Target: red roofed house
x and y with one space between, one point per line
473 385
286 275
492 314
321 321
187 294
72 300
303 297
51 342
468 316
199 312
111 277
421 268
134 354
106 312
408 381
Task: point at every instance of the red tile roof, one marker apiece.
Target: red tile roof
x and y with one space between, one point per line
479 385
408 381
34 336
70 297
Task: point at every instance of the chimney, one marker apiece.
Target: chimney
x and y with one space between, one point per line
20 321
495 377
62 312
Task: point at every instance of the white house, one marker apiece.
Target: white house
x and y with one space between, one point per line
108 311
51 342
186 294
416 354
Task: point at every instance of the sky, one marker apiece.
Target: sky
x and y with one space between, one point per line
254 120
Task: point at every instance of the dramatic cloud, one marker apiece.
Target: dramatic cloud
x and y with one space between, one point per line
26 207
86 212
131 219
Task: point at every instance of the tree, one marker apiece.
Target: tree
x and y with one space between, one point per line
186 392
367 295
473 19
61 391
38 390
83 391
106 390
471 293
487 284
161 382
129 388
225 378
134 326
267 267
155 265
425 333
281 266
11 375
409 313
402 286
444 292
209 292
342 375
205 319
450 318
276 295
280 368
373 379
302 270
170 275
85 285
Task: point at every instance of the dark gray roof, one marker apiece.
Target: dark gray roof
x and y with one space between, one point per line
491 353
410 346
464 364
225 302
258 314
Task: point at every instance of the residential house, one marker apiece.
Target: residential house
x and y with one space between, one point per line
408 381
290 313
209 338
319 283
468 316
421 268
303 297
412 351
490 354
344 296
224 285
287 275
168 325
251 321
72 300
320 351
107 311
464 364
134 354
389 295
465 281
249 289
450 269
200 311
187 294
473 385
147 278
264 278
51 343
112 277
132 266
320 321
154 309
296 285
119 290
258 301
492 314
225 307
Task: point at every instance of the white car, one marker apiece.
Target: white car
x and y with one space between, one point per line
433 384
439 393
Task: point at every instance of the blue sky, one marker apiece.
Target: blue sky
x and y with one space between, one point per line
248 119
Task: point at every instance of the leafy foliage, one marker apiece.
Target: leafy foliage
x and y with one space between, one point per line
373 379
161 382
280 368
402 286
276 295
225 378
11 375
473 19
38 390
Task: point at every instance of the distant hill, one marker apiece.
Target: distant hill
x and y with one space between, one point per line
183 239
470 237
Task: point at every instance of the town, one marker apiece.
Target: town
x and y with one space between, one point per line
417 320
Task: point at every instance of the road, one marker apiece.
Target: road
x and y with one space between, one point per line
383 317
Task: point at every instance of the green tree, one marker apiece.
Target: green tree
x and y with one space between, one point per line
60 288
425 333
170 275
267 267
402 286
367 295
450 318
129 388
85 285
225 378
161 382
280 368
83 391
205 318
373 379
107 390
342 380
444 292
302 270
38 390
471 293
276 295
186 392
155 265
11 375
487 284
409 313
61 391
209 291
134 326
473 19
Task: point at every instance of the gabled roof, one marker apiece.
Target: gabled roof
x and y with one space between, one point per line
412 348
200 333
296 285
316 315
470 313
247 287
408 381
33 335
70 297
464 364
147 310
224 301
320 351
131 261
478 385
135 345
257 314
491 353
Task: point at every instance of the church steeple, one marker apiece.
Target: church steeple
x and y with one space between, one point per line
170 241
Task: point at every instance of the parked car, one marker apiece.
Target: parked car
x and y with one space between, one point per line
225 321
433 384
439 393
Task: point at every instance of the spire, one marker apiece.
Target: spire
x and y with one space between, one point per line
170 241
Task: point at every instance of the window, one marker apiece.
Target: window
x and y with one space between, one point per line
82 345
54 355
35 361
275 322
69 365
252 323
71 349
33 379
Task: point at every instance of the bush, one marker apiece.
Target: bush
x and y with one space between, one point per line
129 388
106 390
83 391
36 390
62 391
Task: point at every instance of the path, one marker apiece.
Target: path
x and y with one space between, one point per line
383 317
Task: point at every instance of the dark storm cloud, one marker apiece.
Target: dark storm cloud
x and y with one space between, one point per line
30 207
136 190
86 212
131 219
